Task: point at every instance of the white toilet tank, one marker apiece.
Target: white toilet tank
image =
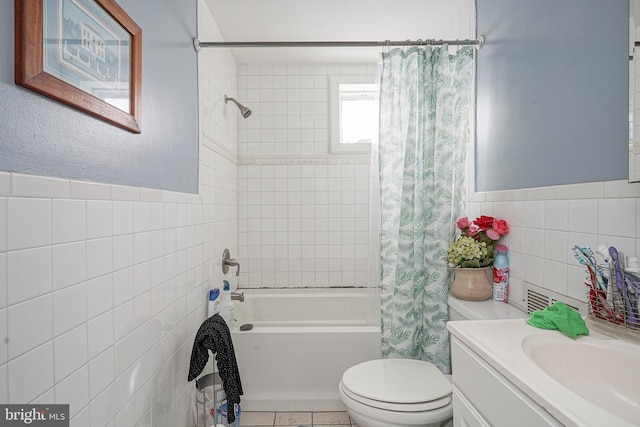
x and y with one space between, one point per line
482 310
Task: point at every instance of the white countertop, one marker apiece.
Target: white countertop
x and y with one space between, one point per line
499 343
487 309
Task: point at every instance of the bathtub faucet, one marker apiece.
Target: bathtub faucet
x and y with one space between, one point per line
228 261
237 296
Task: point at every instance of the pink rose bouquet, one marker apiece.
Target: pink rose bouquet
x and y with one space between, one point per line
475 246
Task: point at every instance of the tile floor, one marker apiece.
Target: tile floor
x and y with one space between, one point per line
296 419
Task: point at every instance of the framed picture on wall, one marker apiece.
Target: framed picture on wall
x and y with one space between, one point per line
84 53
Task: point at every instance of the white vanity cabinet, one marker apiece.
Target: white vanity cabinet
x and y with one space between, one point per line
464 414
483 397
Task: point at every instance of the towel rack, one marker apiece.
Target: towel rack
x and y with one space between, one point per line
218 395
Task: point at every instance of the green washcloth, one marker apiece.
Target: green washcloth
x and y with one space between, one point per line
561 317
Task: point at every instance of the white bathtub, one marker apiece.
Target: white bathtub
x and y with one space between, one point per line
301 343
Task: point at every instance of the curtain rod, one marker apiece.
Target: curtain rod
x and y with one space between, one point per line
197 44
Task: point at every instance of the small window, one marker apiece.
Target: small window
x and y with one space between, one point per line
354 113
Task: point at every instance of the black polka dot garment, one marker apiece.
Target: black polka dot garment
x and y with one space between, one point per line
214 335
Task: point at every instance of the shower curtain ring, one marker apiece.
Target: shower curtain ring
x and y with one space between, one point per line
481 41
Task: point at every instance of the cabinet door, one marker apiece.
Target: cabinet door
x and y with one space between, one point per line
499 402
464 414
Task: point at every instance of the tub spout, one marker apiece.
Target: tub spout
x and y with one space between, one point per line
237 296
228 261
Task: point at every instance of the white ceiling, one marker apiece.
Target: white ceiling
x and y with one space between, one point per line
336 20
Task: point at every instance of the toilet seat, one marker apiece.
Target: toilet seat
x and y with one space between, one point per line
401 385
398 407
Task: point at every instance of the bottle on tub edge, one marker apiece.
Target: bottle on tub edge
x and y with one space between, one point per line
214 302
226 307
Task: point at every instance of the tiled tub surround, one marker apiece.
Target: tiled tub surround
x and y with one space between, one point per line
290 104
303 225
303 212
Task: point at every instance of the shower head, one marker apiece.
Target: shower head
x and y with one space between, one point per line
243 110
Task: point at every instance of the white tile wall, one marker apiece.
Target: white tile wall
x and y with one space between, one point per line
303 213
547 222
28 223
84 300
31 374
290 104
102 287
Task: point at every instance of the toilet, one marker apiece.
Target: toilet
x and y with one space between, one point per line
410 393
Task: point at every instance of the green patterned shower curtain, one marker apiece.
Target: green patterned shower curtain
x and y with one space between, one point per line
425 95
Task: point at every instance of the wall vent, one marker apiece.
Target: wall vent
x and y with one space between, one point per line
537 298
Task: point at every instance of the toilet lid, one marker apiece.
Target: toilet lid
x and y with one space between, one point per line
402 381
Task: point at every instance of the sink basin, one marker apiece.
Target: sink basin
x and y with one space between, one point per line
603 371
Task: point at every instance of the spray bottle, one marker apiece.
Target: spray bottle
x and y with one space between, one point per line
501 274
227 308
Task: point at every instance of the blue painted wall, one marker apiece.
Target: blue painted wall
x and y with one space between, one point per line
42 137
552 93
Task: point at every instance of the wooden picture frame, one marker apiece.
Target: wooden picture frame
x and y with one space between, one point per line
84 53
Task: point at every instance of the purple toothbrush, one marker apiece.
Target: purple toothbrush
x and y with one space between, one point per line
622 286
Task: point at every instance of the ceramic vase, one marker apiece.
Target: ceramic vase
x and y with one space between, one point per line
471 284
